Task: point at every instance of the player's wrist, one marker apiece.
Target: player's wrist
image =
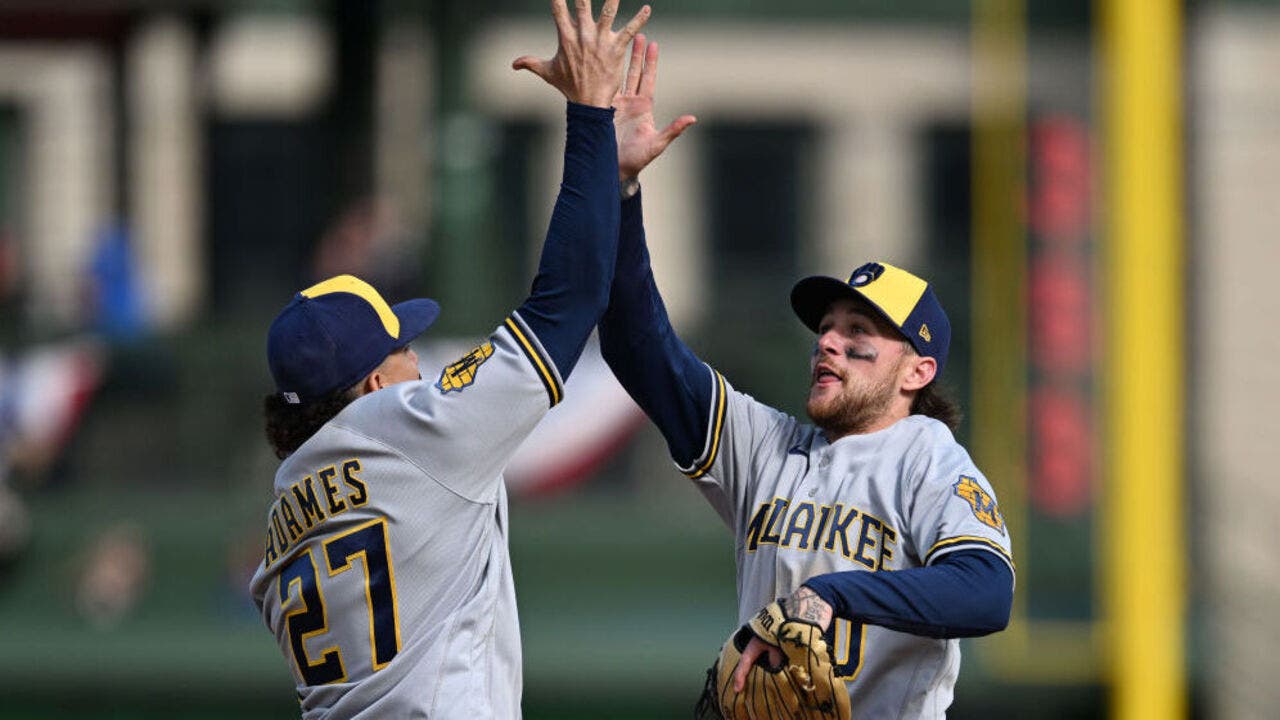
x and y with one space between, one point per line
585 111
628 187
806 605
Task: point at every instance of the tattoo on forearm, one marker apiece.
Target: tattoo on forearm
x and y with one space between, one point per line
806 605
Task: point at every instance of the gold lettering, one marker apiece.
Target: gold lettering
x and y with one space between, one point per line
336 504
840 529
290 519
307 503
351 476
270 555
804 510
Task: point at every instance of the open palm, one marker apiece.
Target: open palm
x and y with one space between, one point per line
588 62
639 140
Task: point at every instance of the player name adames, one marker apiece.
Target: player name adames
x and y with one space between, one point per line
330 491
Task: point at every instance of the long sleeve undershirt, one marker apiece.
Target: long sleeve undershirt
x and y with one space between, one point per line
579 254
964 593
659 371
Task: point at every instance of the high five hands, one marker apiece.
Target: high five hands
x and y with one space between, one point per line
639 140
587 66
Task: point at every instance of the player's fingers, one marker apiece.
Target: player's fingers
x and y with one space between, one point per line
564 23
633 26
537 66
677 126
632 83
608 12
585 25
649 78
749 655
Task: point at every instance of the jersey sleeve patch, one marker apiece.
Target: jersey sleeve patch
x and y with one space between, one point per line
980 502
541 363
460 374
715 425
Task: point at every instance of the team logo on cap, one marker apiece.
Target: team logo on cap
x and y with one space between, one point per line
463 372
983 506
865 274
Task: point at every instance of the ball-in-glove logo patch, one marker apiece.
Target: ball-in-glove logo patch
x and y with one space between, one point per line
865 274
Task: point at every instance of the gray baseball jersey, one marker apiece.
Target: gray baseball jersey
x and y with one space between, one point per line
799 506
386 577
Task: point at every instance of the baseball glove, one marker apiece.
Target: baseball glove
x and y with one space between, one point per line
804 688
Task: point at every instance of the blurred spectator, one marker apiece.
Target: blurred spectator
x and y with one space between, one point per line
114 306
368 240
43 395
115 575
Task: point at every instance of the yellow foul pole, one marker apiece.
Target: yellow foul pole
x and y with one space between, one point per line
998 262
1144 280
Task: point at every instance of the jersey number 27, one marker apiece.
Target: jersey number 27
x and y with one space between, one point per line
308 618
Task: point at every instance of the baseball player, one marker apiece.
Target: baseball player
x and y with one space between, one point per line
386 576
870 521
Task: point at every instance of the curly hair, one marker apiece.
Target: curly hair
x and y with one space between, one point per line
933 401
288 426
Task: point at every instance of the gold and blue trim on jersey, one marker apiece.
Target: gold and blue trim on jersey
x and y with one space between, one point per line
848 648
537 358
302 605
369 542
848 532
715 426
966 542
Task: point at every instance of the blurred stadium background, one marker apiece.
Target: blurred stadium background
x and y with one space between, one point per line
171 172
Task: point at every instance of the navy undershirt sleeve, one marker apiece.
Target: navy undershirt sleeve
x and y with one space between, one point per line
657 369
966 593
572 285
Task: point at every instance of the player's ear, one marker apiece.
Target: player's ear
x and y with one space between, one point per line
919 371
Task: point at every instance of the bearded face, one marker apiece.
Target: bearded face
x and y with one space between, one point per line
852 408
856 371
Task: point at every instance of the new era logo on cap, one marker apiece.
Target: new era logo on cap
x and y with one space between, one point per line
903 299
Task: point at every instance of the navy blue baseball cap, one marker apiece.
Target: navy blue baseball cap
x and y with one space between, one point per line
334 333
906 301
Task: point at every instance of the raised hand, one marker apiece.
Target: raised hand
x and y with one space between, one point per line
587 67
639 140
